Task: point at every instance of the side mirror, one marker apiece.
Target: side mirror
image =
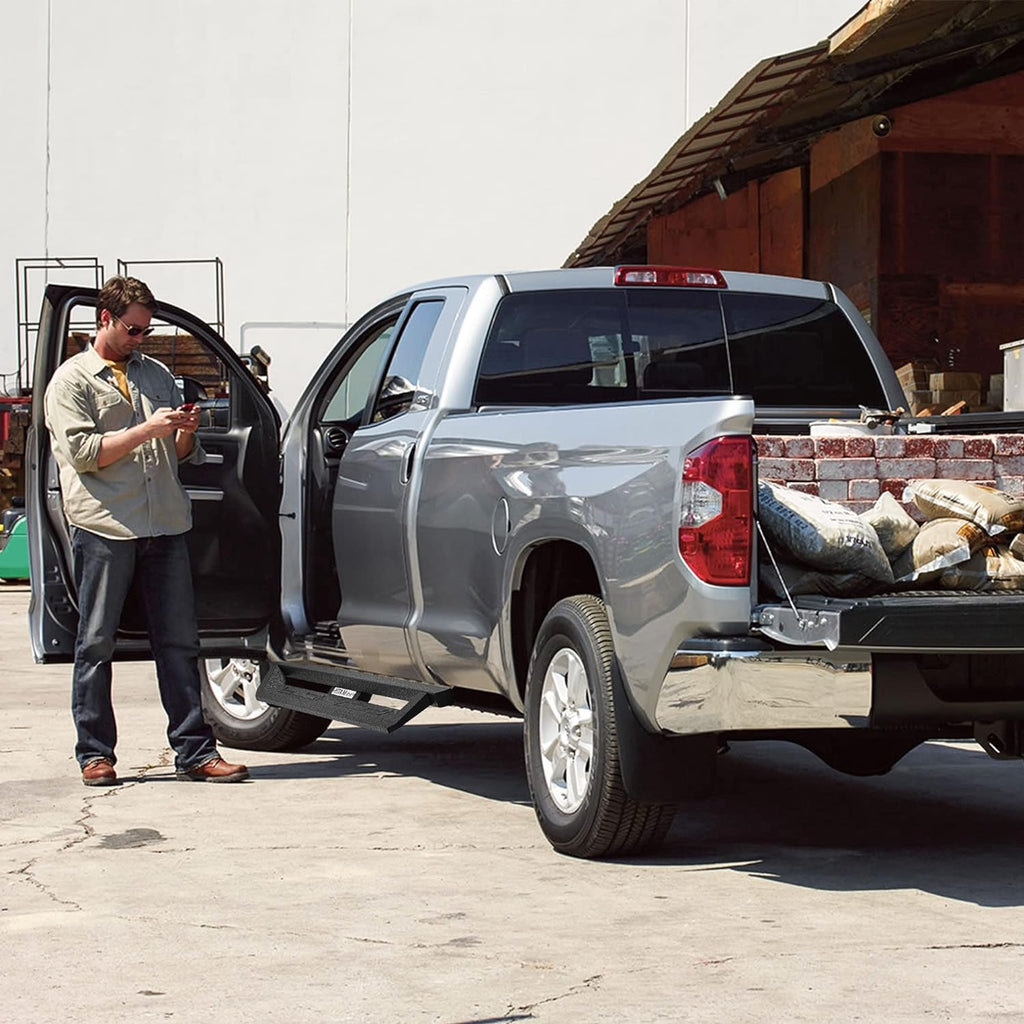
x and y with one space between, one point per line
396 395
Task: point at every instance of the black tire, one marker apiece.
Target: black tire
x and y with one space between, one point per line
239 721
592 815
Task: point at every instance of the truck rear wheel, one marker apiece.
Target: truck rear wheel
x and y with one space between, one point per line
239 719
572 751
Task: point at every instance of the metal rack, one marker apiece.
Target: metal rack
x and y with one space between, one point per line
26 272
29 292
124 267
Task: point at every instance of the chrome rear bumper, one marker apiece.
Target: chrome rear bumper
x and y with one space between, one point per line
721 686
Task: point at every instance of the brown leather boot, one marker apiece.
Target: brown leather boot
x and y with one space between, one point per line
99 773
215 770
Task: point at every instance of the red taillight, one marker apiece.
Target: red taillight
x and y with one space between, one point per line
717 509
670 277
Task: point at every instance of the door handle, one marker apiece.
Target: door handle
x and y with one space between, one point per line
407 456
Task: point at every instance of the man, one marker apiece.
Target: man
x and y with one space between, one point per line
118 435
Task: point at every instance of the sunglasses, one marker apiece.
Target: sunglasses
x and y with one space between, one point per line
133 329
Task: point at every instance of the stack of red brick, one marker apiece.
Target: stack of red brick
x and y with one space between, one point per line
855 470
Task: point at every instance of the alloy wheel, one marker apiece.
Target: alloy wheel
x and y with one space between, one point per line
233 683
566 730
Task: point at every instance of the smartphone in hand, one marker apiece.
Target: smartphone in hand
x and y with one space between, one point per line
187 407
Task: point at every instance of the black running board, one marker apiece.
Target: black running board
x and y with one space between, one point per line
344 695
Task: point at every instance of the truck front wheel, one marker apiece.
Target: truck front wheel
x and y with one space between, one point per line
572 749
239 719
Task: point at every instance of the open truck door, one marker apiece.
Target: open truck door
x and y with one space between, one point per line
234 543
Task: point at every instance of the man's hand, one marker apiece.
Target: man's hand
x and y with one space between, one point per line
190 423
162 423
184 440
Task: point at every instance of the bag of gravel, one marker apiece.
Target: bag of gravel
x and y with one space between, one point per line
799 579
1017 545
994 511
939 544
895 527
993 567
819 533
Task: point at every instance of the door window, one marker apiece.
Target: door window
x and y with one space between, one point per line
352 390
399 388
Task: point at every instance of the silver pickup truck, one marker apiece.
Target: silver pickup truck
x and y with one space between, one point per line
535 493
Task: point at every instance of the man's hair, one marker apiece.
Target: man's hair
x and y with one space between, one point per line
118 293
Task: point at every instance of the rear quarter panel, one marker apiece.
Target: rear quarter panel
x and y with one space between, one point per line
605 477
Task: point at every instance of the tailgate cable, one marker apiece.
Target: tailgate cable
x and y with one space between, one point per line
775 566
817 627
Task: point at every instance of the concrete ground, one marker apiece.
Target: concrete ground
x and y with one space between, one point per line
404 878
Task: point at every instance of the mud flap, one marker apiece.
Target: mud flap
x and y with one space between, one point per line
661 769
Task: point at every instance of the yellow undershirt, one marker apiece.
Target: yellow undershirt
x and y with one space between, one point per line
120 377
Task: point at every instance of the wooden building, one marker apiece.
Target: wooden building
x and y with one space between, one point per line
889 159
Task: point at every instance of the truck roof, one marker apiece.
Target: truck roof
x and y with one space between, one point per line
604 277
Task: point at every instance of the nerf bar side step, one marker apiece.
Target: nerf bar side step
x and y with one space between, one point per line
341 695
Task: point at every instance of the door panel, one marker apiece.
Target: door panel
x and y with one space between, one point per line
234 543
374 497
369 538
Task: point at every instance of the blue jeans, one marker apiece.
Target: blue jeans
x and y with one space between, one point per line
104 573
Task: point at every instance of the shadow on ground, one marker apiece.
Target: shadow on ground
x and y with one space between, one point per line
946 820
483 758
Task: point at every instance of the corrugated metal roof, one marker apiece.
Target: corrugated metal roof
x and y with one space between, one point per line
892 52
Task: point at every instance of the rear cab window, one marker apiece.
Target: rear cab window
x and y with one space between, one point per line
789 350
586 346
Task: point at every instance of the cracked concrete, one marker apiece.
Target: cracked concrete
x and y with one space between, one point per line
586 985
403 878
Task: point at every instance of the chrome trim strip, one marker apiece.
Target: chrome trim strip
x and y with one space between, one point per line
214 459
205 493
724 691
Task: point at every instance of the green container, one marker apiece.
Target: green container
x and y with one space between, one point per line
14 553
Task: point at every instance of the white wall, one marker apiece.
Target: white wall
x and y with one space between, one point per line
470 135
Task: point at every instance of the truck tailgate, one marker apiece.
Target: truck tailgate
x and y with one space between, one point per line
910 621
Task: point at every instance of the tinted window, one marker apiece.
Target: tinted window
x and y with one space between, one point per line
577 347
795 351
680 342
553 348
585 346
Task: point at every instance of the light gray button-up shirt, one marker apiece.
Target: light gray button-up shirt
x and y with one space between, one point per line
140 494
